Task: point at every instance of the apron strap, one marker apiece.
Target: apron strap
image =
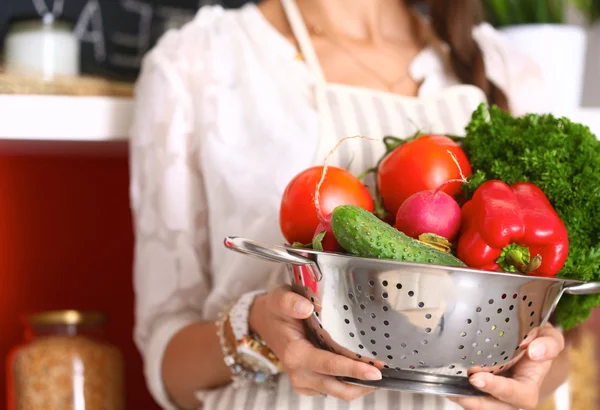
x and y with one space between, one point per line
303 38
327 137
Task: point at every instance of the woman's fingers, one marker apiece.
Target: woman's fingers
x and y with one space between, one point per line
547 346
305 380
522 393
300 353
283 302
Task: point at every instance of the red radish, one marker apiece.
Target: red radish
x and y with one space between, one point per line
429 212
432 211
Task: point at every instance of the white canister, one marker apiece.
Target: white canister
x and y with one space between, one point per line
45 48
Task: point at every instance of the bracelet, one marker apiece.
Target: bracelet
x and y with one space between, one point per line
242 377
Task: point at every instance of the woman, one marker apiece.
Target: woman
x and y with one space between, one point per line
229 109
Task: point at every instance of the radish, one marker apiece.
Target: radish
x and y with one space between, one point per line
432 211
323 239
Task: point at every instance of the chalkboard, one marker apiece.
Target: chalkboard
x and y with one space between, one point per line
114 34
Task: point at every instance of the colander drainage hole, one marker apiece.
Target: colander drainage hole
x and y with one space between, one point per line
494 364
421 362
463 358
428 316
350 295
459 372
351 334
491 301
469 321
372 341
424 342
360 319
504 296
362 306
386 335
362 332
372 363
403 345
403 357
347 321
317 314
478 309
511 307
384 295
529 304
388 347
312 299
398 286
463 334
531 324
358 356
507 320
415 352
374 353
515 296
532 313
385 308
346 307
499 311
525 337
384 283
421 304
411 293
525 298
398 369
361 347
501 367
487 340
451 366
487 319
371 283
460 347
372 298
359 288
505 358
496 345
503 353
474 344
479 332
427 330
390 357
373 315
385 366
373 328
411 367
385 322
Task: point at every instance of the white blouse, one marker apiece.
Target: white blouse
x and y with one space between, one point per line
225 116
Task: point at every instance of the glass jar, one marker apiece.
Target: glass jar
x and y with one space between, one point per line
46 48
65 363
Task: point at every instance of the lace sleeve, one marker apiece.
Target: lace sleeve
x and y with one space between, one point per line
169 213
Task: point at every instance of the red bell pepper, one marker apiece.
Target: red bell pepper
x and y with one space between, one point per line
512 228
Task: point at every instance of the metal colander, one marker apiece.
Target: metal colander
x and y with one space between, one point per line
427 327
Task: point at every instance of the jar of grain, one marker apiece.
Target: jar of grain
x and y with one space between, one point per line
65 363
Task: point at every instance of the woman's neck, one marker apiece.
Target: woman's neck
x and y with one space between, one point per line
359 20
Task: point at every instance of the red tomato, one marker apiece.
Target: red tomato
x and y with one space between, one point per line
298 215
420 165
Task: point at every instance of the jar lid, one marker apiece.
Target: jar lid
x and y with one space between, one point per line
67 317
27 21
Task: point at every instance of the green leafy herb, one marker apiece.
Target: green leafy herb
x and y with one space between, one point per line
563 159
317 242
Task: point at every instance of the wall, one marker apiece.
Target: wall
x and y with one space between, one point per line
66 242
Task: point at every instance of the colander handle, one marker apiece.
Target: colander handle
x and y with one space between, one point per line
589 288
269 252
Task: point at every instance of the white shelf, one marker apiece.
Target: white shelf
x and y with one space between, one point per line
64 118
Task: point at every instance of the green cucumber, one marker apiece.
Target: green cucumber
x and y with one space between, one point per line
361 233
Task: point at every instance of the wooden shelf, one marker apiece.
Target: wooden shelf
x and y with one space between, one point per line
64 118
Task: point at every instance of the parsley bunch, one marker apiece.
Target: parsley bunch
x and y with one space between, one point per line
563 159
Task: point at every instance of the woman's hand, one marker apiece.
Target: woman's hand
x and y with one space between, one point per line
276 318
522 390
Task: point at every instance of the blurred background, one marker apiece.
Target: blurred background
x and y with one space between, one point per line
67 69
